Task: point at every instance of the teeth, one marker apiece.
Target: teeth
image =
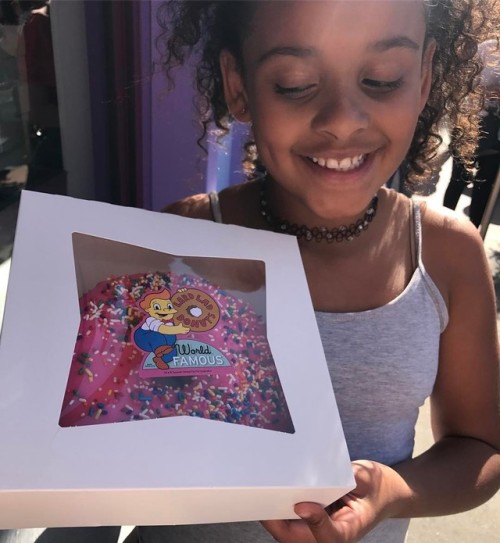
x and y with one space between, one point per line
343 165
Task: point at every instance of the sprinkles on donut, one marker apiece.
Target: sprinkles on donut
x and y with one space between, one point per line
227 372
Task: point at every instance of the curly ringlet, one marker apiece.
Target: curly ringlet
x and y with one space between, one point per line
458 26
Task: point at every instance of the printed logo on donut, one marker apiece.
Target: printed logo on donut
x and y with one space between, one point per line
167 333
195 309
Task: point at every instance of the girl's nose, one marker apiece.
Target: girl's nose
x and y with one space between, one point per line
341 117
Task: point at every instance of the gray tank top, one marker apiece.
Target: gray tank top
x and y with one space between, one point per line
383 364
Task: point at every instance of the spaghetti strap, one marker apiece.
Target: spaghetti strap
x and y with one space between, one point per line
417 232
213 198
411 228
431 287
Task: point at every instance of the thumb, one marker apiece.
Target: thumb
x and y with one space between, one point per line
317 520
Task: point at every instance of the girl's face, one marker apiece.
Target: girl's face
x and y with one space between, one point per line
334 90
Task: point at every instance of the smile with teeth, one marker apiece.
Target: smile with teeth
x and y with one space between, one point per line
344 165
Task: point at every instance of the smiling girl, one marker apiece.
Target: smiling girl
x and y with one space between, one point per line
338 94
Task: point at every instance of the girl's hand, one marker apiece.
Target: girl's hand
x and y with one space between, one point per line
359 511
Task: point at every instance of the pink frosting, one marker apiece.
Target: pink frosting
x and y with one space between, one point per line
104 385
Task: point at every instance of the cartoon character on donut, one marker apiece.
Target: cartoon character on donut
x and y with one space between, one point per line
158 332
195 309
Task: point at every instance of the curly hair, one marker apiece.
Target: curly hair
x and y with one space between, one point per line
205 28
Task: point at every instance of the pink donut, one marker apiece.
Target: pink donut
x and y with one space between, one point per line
105 384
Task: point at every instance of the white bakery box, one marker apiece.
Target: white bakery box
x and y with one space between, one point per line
159 370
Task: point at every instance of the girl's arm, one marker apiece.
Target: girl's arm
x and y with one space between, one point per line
462 470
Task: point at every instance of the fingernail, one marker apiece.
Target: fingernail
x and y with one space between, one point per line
303 512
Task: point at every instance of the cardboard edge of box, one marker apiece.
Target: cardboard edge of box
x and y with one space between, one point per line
112 507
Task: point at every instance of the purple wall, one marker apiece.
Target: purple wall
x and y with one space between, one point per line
178 167
143 115
178 163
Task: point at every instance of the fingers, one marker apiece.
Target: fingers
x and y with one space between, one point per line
289 531
346 521
315 526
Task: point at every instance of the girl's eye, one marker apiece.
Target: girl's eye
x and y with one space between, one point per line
294 92
170 306
383 86
156 307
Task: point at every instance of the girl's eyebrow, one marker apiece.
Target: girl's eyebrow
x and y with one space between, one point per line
305 52
301 52
391 43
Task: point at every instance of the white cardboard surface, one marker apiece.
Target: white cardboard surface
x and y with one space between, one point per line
114 473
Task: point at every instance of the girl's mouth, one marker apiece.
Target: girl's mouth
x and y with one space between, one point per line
343 165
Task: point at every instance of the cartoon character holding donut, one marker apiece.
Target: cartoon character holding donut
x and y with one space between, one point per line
158 333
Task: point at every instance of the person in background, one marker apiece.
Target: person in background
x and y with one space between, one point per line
36 61
13 149
487 155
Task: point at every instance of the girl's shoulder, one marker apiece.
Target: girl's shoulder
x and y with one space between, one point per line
195 207
452 249
239 205
444 228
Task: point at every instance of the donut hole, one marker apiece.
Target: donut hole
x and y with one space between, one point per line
195 311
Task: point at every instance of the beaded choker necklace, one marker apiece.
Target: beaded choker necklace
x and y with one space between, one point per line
318 233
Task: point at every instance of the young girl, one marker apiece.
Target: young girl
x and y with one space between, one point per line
338 94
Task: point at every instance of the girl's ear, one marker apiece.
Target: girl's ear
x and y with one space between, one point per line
426 77
234 88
